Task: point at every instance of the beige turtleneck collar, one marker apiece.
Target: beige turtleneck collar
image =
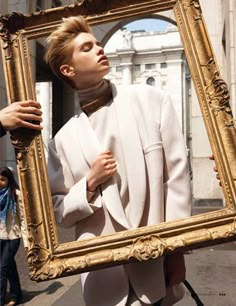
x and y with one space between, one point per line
89 94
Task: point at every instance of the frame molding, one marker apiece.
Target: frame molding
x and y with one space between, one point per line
47 259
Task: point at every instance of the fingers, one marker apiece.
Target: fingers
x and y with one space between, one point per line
109 167
30 125
31 110
108 161
29 114
110 164
30 117
29 107
27 121
26 114
103 167
106 154
215 169
218 178
29 103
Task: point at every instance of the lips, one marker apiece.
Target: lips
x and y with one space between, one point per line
102 58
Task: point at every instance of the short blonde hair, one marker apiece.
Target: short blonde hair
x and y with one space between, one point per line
60 47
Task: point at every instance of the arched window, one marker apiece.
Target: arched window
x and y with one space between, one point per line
151 81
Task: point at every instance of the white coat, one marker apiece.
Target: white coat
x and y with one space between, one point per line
158 181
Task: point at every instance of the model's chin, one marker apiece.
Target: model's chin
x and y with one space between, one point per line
105 70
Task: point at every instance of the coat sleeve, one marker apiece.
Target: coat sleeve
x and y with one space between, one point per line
2 130
177 188
69 197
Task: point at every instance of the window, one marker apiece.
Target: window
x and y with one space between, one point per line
150 66
163 65
118 68
137 67
151 81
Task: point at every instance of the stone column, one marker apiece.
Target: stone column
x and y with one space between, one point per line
43 92
127 74
126 61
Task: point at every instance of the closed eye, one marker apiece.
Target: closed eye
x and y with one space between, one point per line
87 47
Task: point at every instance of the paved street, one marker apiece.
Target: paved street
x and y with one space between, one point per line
210 271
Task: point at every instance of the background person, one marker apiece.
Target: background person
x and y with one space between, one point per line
12 228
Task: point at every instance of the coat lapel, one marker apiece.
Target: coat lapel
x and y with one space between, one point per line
91 148
133 154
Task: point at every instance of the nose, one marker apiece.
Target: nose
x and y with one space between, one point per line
100 50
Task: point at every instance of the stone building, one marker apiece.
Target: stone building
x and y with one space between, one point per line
156 58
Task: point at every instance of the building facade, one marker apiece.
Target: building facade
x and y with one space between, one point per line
154 58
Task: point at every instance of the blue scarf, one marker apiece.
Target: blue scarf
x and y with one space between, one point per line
7 203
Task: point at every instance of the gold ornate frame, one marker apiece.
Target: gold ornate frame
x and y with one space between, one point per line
47 258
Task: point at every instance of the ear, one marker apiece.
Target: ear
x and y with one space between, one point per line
67 70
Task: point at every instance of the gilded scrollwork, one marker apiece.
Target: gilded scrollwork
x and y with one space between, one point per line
8 34
218 95
233 227
188 3
20 142
210 65
46 257
22 150
4 34
144 248
42 265
49 268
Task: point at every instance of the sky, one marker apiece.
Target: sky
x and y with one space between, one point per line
149 25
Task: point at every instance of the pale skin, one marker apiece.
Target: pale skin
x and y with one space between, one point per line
102 168
87 67
25 114
215 169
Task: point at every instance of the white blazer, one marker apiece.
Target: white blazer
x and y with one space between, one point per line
158 181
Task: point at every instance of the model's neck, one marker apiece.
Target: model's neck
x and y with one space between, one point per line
93 92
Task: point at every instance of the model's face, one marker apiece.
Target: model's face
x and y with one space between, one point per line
89 63
3 182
